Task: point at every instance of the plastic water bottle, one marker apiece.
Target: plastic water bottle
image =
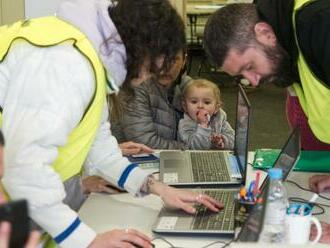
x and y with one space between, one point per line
277 203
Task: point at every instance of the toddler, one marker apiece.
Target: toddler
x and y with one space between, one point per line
205 124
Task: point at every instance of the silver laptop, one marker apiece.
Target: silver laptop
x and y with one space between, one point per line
200 168
207 222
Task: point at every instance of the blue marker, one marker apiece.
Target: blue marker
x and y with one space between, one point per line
250 195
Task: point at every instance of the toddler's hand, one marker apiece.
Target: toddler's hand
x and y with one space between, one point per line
217 141
203 117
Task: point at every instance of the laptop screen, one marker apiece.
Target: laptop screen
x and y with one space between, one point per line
286 160
288 156
242 131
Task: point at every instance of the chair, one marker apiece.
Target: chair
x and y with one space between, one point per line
196 23
197 15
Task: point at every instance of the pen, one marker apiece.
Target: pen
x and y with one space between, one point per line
314 198
308 209
242 193
311 203
250 195
301 210
256 184
297 209
291 209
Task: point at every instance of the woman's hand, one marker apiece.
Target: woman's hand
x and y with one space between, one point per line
325 238
33 240
98 184
5 230
182 199
319 183
132 148
129 238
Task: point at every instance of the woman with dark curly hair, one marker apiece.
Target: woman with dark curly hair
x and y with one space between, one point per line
151 115
55 72
156 31
144 111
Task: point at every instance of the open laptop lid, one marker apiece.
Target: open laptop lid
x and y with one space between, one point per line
252 227
288 156
286 160
242 131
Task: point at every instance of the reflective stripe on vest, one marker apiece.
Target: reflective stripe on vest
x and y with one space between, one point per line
50 31
313 96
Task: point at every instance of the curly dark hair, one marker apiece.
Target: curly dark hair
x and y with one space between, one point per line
229 27
148 29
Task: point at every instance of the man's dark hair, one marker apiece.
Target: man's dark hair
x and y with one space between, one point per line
2 139
229 27
148 29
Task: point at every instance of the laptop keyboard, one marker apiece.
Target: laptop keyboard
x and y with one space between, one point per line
224 220
209 167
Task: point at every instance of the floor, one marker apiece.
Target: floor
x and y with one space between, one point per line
269 127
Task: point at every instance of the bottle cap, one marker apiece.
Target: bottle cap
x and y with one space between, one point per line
275 173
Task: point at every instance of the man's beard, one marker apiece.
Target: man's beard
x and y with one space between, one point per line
282 75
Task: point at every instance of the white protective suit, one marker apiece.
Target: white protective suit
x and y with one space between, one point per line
44 93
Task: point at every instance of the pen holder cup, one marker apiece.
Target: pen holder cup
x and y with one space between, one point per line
242 211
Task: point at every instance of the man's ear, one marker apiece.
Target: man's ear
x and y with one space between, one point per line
265 34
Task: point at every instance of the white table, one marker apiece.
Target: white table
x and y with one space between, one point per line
104 212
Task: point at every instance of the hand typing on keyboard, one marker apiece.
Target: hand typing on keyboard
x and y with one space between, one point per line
183 199
224 220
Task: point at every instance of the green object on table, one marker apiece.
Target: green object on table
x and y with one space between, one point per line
310 161
265 158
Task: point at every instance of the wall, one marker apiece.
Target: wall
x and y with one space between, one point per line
36 8
180 6
11 11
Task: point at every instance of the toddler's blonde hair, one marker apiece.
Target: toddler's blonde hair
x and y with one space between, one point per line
202 83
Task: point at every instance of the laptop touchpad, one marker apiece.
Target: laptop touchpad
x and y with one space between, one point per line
172 163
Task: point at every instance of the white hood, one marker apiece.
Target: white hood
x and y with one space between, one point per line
92 18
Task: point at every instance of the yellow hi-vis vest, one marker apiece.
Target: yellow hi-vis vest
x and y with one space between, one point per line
313 96
51 31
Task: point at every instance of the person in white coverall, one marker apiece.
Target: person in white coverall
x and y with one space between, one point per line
5 226
55 73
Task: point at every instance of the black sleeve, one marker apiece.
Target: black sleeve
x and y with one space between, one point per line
313 32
